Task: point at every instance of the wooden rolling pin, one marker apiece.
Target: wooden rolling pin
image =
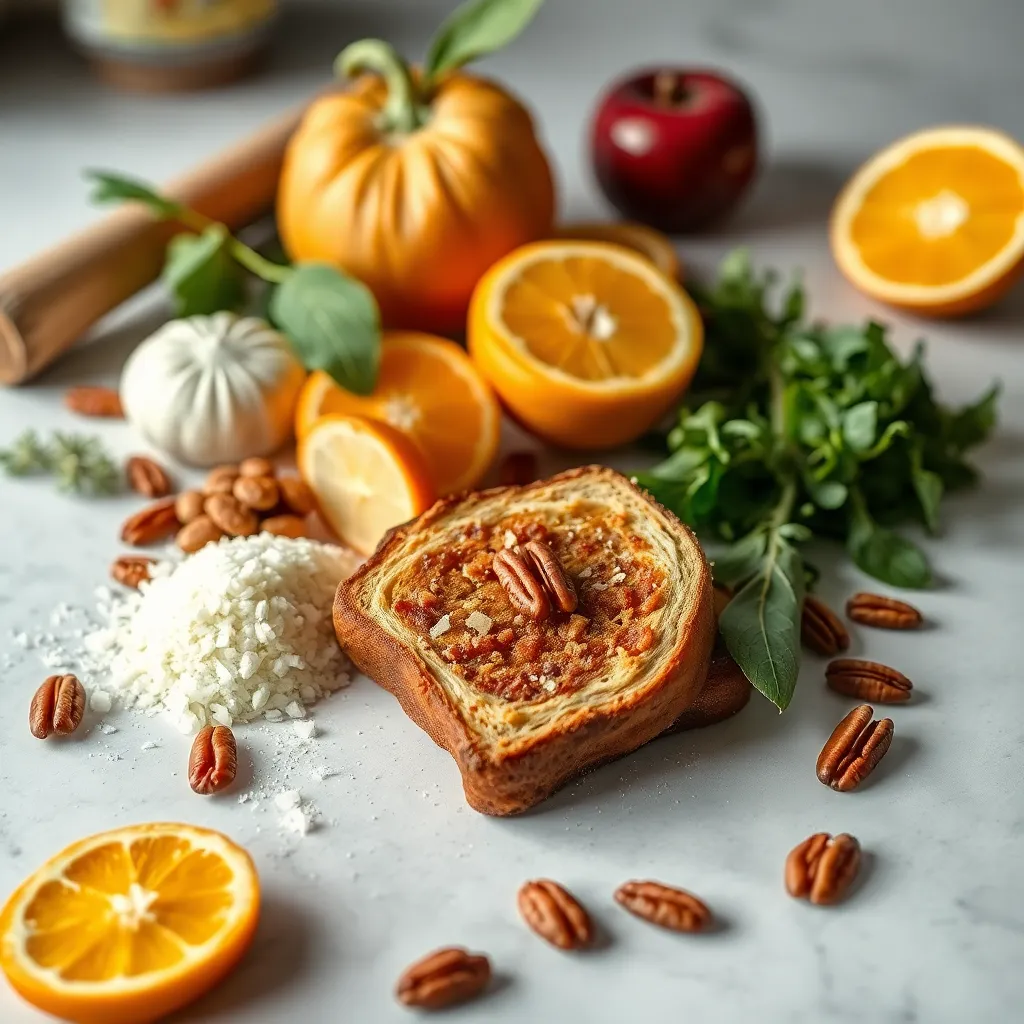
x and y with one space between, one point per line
47 303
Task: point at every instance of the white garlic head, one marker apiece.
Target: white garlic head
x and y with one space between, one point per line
213 389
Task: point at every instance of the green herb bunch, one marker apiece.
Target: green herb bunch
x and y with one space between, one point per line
79 463
793 431
331 319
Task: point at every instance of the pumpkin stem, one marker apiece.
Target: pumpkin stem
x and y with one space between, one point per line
403 111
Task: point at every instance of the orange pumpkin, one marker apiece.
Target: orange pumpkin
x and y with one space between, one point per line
415 184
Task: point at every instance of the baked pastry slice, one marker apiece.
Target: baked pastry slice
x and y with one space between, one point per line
465 615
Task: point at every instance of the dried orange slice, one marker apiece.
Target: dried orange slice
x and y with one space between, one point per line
126 926
366 475
587 343
429 389
658 248
935 222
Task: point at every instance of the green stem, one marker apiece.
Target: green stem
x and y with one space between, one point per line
403 112
274 273
263 268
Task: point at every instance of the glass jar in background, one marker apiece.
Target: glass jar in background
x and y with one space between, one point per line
162 45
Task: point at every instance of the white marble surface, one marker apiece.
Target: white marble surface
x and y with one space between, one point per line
935 931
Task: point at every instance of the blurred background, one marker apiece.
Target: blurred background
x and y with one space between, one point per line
834 81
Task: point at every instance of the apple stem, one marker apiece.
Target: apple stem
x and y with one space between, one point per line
668 89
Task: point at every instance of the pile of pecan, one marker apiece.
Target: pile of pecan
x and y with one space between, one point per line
234 501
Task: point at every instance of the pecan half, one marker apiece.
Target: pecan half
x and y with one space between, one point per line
555 915
868 681
220 480
664 906
213 762
147 477
521 584
154 523
518 469
228 513
822 868
856 745
189 505
197 534
821 629
552 576
57 707
296 495
256 465
883 612
94 401
284 526
131 570
259 493
444 978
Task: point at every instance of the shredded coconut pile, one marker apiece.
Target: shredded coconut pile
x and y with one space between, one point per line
240 630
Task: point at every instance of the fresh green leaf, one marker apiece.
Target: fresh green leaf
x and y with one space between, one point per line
860 424
116 188
886 555
738 562
828 494
761 624
333 323
201 274
475 29
928 487
973 424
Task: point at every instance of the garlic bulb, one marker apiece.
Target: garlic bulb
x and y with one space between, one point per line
211 389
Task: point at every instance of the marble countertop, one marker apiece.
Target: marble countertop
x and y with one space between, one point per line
935 929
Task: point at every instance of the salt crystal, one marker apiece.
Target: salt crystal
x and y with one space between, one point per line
440 627
306 729
510 539
295 710
100 701
149 745
273 715
107 730
287 799
297 820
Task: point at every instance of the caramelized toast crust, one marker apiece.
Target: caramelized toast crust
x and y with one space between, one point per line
523 704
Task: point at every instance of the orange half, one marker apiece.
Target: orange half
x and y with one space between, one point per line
587 343
935 222
128 925
429 390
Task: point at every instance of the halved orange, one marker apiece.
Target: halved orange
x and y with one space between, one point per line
587 343
935 222
128 925
429 389
366 475
658 248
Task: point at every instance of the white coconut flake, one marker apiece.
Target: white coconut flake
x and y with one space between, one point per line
440 627
240 630
479 623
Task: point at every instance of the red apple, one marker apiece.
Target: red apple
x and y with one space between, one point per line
673 147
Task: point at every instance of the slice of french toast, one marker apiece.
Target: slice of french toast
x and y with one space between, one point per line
534 632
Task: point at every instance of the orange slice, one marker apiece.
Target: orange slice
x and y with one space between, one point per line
935 222
658 248
587 343
429 389
367 477
126 926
